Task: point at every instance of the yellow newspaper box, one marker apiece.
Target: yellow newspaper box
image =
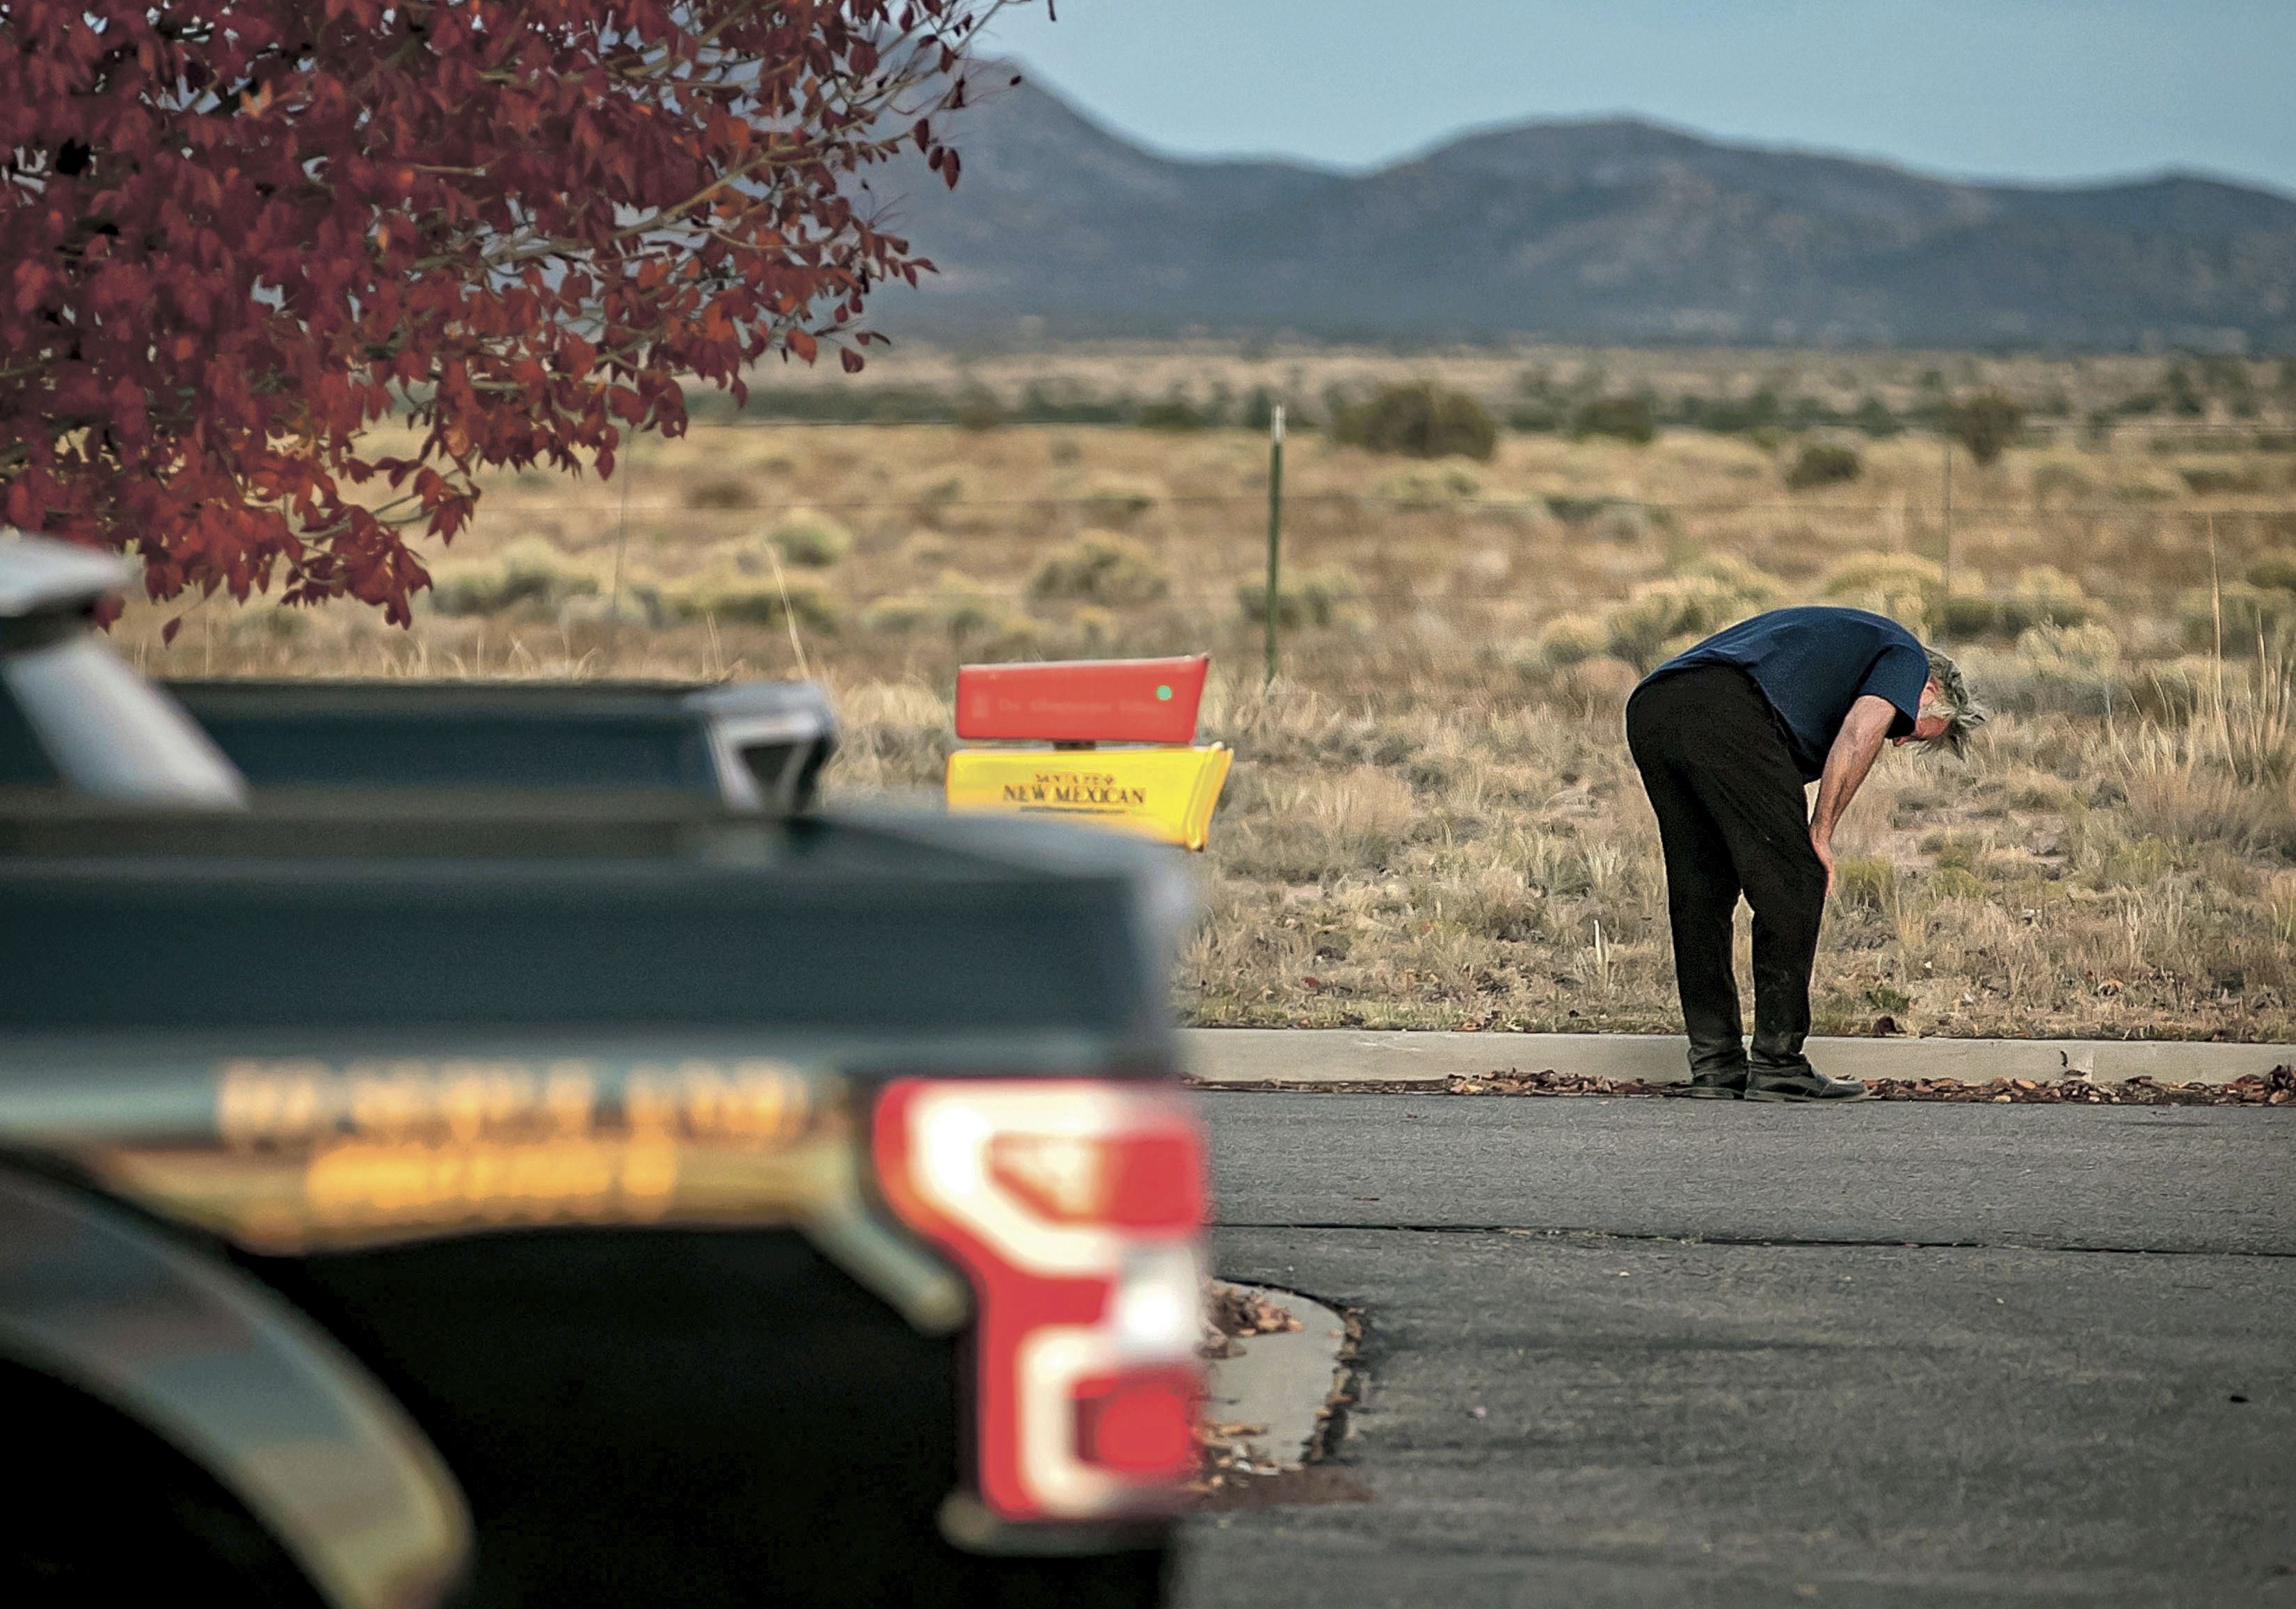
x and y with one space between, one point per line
1165 794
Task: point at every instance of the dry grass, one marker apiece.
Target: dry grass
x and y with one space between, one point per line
1433 822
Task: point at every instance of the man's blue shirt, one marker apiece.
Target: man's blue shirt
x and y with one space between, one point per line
1812 663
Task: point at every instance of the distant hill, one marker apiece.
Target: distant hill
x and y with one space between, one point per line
1605 230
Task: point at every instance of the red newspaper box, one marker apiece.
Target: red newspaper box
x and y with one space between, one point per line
1083 701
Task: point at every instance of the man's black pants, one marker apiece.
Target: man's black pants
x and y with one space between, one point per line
1733 820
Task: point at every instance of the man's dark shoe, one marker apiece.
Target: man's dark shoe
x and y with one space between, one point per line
1800 1083
1717 1086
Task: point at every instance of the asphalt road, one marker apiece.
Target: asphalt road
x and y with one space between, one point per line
1726 1354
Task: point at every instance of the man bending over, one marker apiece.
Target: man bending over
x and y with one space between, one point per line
1726 735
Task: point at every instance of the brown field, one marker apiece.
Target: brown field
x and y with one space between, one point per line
1432 821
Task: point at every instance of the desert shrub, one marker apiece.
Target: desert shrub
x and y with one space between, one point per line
1823 464
897 615
2075 670
1101 566
528 570
1495 902
963 608
2045 596
956 606
1681 642
1987 424
466 587
1579 510
1093 629
1873 416
1954 883
1904 586
926 548
1970 614
1620 418
2254 617
1744 581
1327 595
1439 487
1866 880
1597 685
2062 482
1865 572
720 492
1623 521
730 596
2276 568
2132 863
946 494
815 540
1954 852
1564 642
533 568
1654 616
1174 413
1667 615
1537 418
977 408
1119 499
269 623
1419 421
2207 480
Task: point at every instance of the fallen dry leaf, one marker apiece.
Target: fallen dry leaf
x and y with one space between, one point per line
2277 1088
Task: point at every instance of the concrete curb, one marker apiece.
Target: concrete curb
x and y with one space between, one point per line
1249 1055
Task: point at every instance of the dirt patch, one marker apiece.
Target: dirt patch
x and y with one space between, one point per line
2277 1088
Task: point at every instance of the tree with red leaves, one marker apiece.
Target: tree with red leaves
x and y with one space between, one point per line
238 233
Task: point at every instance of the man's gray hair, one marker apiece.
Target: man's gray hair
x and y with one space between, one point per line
1961 710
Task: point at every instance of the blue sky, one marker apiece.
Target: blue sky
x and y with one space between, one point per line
2044 90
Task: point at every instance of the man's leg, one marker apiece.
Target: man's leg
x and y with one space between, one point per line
1702 896
1787 913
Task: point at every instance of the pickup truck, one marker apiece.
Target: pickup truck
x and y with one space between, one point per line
414 1197
751 746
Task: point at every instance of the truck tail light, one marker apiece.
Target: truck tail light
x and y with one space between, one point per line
1142 1425
1074 1208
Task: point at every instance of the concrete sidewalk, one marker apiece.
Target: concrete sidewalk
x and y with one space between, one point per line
1249 1056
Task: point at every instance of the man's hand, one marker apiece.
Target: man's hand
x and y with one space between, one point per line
1824 858
1854 746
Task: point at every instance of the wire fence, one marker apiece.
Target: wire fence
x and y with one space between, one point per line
1565 505
1416 550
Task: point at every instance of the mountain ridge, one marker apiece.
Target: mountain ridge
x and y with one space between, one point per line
1594 228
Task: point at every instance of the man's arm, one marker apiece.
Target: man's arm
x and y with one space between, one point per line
1854 746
